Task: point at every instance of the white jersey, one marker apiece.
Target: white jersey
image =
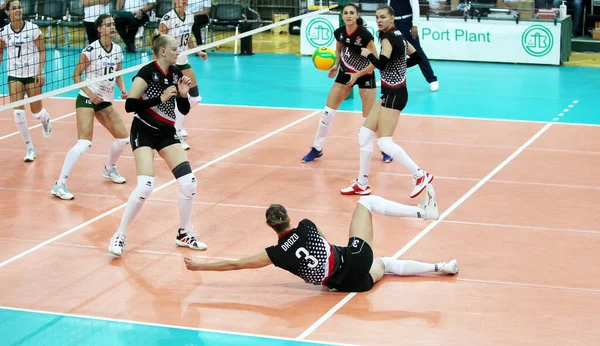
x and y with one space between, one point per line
102 62
181 30
23 54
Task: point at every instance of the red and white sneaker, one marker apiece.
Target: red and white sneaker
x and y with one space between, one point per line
189 240
420 183
356 189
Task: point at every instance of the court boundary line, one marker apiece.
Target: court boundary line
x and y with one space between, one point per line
171 182
429 227
359 112
519 284
149 324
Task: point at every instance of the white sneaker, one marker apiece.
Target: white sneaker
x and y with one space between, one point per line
448 268
47 127
420 183
113 175
183 143
117 243
434 86
182 132
29 155
429 206
61 191
188 240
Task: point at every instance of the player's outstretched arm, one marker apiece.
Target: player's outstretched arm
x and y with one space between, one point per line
259 260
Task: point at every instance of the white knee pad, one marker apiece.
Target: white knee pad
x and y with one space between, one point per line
365 139
19 116
82 146
387 145
42 114
327 116
194 100
144 188
122 142
373 203
187 186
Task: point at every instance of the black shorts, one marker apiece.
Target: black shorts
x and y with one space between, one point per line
364 82
143 135
396 99
353 275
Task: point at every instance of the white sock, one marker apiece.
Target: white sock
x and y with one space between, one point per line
136 200
365 141
187 191
116 149
21 121
324 127
407 267
387 145
390 208
72 157
42 116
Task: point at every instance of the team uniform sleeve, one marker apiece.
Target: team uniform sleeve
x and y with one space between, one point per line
35 32
166 20
336 34
272 253
87 51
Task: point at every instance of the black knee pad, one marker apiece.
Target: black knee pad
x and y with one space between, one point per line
182 169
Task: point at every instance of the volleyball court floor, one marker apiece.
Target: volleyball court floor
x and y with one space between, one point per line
515 152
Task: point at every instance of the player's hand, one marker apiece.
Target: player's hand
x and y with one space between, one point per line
202 55
96 99
123 94
169 93
333 72
40 80
353 78
414 32
365 52
191 264
184 86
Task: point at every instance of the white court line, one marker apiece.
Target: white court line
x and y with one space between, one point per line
507 283
38 125
533 228
208 164
427 229
165 325
360 112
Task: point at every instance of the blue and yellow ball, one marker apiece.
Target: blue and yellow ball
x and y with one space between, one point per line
324 58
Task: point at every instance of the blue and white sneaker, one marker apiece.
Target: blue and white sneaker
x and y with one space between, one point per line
113 175
386 158
312 155
29 155
61 191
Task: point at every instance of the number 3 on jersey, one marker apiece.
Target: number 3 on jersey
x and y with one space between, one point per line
302 252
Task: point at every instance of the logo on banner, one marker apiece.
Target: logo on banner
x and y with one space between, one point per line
537 40
319 32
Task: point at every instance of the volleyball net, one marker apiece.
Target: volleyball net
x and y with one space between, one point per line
52 34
